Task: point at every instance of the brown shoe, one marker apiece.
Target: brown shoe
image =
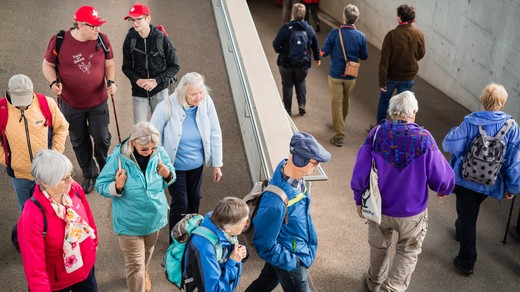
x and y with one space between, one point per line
337 141
147 282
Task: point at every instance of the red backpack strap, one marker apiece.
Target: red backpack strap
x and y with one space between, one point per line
44 106
4 115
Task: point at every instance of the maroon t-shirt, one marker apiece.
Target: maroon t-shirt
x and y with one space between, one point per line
81 70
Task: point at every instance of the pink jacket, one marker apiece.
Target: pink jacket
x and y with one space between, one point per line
43 257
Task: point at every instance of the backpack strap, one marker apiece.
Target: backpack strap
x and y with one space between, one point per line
44 232
481 131
211 237
59 41
44 107
4 112
505 128
101 43
283 196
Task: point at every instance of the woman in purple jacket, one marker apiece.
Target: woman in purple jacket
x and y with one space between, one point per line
408 161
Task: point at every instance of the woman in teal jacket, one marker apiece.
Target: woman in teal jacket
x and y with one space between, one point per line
134 177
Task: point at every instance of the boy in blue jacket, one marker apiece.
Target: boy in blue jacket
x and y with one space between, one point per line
288 247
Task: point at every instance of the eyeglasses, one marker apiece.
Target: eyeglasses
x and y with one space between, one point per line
93 27
144 149
315 163
68 178
138 20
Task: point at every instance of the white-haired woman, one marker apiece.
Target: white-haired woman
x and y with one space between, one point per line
134 177
190 132
58 242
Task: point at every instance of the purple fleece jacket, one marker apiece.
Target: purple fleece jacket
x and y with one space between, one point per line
408 162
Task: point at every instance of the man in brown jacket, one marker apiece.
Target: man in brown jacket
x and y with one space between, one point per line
402 48
26 132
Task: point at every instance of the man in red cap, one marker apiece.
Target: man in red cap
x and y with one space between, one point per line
149 62
80 71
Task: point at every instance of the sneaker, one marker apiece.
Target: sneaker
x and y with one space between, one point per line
88 185
302 111
458 265
337 141
147 282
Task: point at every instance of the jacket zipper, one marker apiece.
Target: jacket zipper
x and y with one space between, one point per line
27 134
146 66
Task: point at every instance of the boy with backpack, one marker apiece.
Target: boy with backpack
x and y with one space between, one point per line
149 62
294 44
485 155
29 122
284 235
205 254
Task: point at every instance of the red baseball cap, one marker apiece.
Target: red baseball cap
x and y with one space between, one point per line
138 10
89 15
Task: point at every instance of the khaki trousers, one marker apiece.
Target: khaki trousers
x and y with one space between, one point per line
340 91
138 251
411 232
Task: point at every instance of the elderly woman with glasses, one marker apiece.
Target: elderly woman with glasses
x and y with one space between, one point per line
227 221
134 178
190 132
56 231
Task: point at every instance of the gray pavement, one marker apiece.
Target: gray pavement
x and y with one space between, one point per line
342 258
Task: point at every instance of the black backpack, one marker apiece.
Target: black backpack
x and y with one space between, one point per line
14 232
298 47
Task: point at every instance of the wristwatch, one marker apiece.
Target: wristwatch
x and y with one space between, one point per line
110 82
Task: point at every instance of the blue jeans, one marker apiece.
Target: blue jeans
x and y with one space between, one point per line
384 97
266 281
295 280
24 189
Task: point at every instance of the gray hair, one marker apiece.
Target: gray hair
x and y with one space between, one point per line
50 167
350 13
193 79
143 134
229 211
403 104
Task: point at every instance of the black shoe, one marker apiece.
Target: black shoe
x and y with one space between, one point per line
302 111
457 264
318 28
338 142
88 185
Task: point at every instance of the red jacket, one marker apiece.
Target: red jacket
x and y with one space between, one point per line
43 257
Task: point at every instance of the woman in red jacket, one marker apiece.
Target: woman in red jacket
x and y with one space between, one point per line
58 239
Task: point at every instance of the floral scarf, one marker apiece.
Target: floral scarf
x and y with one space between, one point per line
76 230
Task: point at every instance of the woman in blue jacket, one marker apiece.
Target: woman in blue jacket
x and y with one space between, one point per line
227 221
190 132
471 194
134 177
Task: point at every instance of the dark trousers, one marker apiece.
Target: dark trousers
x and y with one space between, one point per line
84 124
468 207
185 192
312 9
266 281
293 77
384 97
88 285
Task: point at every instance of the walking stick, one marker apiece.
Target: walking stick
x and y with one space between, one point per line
115 117
508 222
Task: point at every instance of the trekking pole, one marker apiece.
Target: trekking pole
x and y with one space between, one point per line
115 117
508 222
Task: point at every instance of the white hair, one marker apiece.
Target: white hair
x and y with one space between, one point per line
403 104
50 167
143 134
196 81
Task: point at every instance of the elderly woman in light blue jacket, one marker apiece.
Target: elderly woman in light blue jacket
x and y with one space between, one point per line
134 177
190 132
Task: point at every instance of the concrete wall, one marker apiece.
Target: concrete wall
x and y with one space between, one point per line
470 43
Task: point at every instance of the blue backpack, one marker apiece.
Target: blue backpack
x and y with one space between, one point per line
298 52
181 235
